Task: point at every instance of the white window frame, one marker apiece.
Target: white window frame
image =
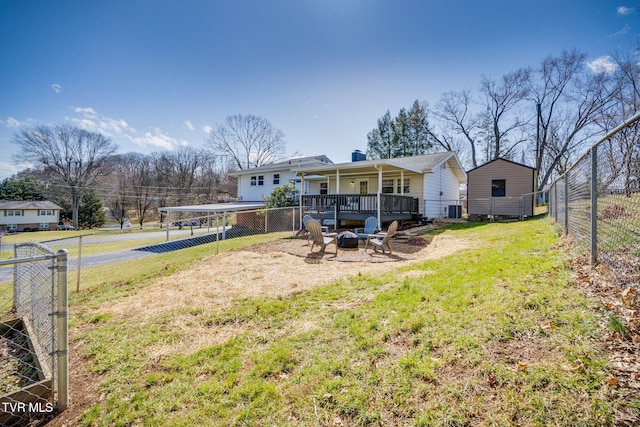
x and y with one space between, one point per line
44 225
387 186
45 212
407 186
14 212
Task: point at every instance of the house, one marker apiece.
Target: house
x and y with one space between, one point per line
255 184
501 188
400 188
27 215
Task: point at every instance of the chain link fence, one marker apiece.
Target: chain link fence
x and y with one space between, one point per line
33 335
122 250
597 201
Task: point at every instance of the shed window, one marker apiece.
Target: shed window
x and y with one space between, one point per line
498 188
254 180
276 179
260 179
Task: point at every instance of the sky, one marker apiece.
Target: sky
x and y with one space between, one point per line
155 75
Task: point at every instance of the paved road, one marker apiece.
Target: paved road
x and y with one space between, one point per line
6 273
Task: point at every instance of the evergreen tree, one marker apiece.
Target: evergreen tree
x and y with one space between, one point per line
408 134
22 188
91 213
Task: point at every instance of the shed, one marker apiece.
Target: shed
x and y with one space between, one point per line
501 188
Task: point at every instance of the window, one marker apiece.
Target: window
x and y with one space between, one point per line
406 186
260 179
498 188
14 213
12 226
324 188
44 225
45 212
387 186
254 180
276 179
364 187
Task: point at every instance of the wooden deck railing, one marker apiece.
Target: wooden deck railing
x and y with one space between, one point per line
360 203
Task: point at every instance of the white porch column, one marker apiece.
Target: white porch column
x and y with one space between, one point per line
301 194
337 181
402 182
379 195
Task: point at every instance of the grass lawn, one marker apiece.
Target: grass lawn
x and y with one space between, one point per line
493 335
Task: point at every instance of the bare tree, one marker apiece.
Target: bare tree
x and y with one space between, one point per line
505 123
453 109
247 141
619 157
76 156
570 98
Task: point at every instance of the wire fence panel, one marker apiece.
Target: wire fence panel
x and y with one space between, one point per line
597 201
33 334
578 201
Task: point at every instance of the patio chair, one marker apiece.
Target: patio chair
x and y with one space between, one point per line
319 238
382 240
370 227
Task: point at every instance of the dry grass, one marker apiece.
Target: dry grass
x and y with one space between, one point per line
267 270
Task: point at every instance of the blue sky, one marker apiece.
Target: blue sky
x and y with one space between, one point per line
155 75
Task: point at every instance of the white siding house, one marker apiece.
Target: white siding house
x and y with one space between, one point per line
23 215
398 188
255 184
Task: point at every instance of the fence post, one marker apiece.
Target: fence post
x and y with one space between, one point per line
522 207
62 315
594 205
79 267
566 203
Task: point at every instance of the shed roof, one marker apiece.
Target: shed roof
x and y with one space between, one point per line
503 160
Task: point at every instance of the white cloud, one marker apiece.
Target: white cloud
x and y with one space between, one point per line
624 10
158 139
189 125
92 121
625 30
12 123
207 129
604 64
56 87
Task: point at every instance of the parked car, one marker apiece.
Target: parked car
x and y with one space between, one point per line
65 227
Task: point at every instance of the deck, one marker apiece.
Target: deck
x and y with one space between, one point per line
357 207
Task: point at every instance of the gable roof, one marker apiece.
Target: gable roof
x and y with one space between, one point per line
425 163
290 164
28 205
503 160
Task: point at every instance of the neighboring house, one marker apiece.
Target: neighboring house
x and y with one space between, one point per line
255 184
501 188
21 215
399 188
